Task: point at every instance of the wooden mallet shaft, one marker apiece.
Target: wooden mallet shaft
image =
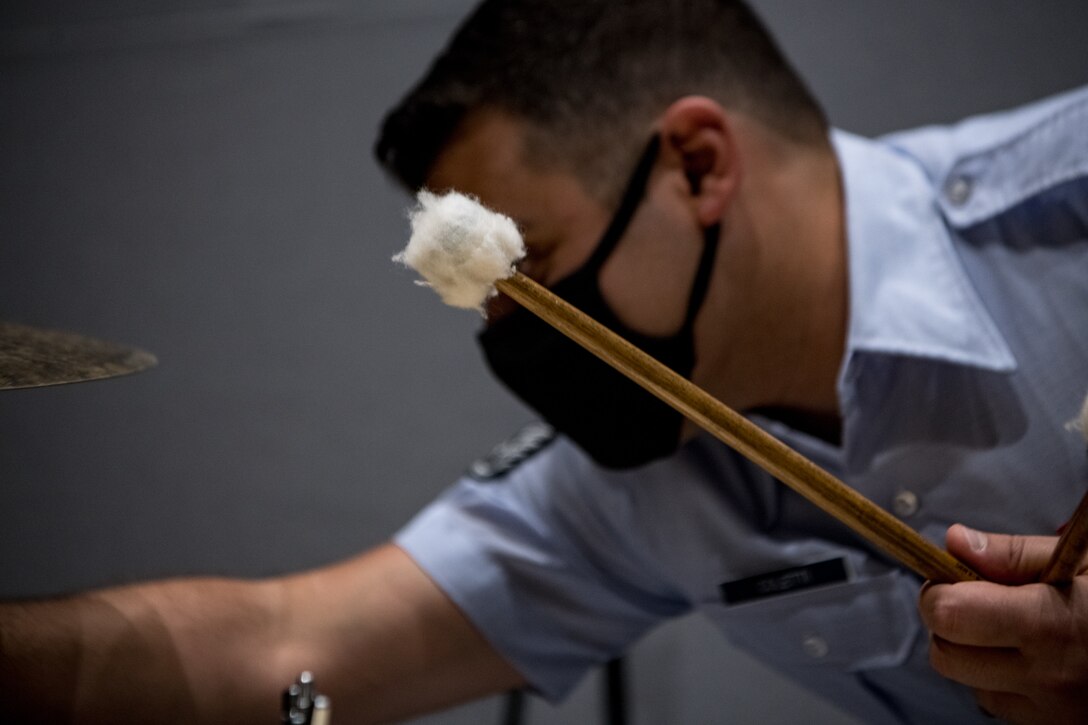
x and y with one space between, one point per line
791 468
1068 556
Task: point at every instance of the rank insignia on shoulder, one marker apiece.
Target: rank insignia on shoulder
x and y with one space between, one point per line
509 454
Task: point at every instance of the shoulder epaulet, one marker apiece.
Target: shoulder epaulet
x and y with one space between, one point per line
987 164
512 452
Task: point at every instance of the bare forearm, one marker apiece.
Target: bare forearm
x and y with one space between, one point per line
386 643
176 651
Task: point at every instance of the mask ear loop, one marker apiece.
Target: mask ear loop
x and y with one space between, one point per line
629 203
701 283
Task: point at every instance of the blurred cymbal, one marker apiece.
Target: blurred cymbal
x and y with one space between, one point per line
31 357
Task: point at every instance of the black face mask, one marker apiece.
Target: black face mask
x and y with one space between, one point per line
612 419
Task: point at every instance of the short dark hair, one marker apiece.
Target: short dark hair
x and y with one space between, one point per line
589 77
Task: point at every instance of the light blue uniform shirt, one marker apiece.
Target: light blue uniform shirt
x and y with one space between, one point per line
967 354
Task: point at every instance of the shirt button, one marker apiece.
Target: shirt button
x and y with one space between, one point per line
905 504
814 646
958 190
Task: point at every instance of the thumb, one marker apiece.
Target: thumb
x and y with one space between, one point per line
1000 557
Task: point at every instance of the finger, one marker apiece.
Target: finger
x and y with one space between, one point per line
1009 707
985 668
1000 557
985 614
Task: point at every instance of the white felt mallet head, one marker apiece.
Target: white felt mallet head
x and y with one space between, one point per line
461 248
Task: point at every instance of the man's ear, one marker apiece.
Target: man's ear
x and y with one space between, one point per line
697 136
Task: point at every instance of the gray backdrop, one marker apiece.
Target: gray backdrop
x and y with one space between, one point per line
195 178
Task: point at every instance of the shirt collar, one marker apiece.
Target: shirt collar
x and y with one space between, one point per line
909 294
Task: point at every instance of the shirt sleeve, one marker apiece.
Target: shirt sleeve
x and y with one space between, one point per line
545 563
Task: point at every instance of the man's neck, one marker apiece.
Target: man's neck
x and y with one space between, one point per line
784 301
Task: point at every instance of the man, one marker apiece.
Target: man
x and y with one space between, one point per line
908 313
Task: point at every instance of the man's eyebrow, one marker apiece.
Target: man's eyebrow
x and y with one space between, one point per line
537 241
530 230
527 225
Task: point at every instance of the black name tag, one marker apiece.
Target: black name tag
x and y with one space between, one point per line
784 581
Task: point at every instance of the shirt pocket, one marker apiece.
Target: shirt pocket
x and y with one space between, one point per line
859 625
